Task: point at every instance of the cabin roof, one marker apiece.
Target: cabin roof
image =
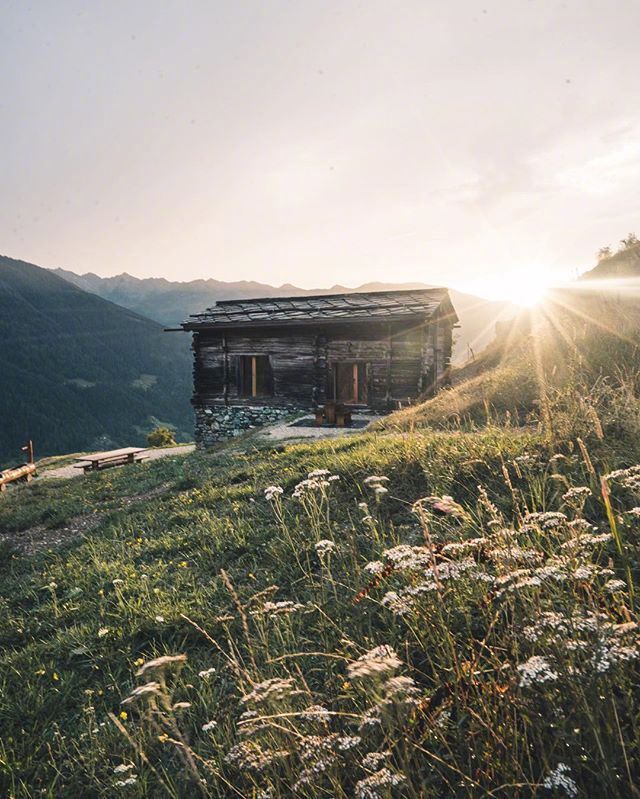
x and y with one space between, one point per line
357 306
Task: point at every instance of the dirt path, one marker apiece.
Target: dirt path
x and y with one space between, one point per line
152 454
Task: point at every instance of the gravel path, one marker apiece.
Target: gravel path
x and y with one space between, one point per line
287 431
162 452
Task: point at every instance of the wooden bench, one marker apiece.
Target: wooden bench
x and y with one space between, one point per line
114 457
333 413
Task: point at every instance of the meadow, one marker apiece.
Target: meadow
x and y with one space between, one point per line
408 612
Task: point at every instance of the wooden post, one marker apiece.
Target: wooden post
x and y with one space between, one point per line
29 450
354 382
254 376
225 370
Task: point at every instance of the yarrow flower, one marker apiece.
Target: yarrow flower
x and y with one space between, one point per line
325 547
316 713
614 586
206 673
375 483
546 520
210 725
376 785
129 781
559 778
249 756
536 670
271 492
373 760
319 480
577 492
347 742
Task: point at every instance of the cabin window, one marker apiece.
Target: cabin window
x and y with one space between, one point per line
350 382
255 377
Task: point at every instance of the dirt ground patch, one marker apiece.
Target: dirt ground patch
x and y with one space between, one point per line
38 538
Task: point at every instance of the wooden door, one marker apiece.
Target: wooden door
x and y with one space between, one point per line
350 382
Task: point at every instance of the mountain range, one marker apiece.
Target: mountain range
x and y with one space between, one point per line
79 372
170 302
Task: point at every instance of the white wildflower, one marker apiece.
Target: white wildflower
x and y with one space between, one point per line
376 785
129 781
624 475
271 492
407 557
210 725
347 742
318 473
577 492
123 768
206 673
250 756
611 653
463 547
316 713
546 520
370 718
375 567
310 485
536 670
559 778
373 760
325 547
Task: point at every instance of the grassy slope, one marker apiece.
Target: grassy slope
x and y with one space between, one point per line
189 551
70 635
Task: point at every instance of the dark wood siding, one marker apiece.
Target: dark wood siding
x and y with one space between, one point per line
400 361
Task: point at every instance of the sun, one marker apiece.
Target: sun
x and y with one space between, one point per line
526 295
525 289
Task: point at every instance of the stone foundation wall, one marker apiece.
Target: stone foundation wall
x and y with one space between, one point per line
216 423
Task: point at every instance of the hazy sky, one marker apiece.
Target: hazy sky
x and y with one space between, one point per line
313 141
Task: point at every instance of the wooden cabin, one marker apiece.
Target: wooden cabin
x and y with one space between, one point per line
259 360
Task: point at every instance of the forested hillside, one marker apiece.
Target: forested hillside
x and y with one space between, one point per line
80 372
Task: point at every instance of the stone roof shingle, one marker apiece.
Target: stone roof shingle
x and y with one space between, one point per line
375 305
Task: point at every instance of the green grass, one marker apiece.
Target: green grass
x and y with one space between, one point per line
71 632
